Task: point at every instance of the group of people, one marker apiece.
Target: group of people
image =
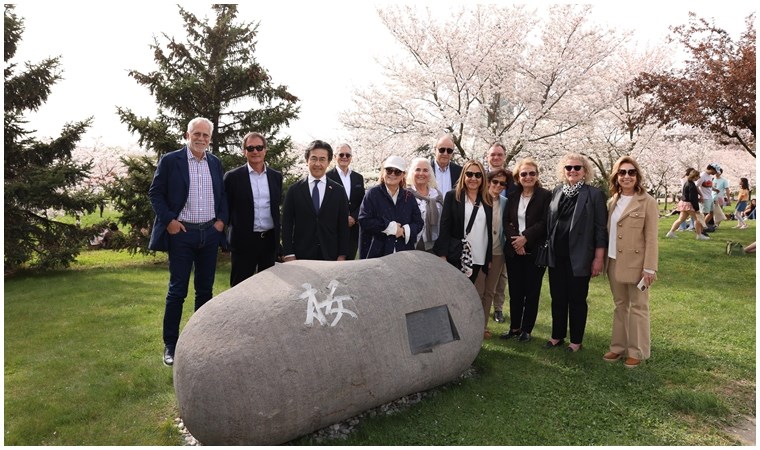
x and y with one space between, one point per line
488 222
703 197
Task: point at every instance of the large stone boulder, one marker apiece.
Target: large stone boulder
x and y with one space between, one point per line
310 343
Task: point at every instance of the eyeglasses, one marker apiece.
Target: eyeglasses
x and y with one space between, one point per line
443 150
258 148
344 155
575 168
477 175
629 172
530 174
393 171
502 183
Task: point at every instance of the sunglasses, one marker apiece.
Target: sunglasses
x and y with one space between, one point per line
258 148
529 174
502 183
393 171
477 175
575 168
443 150
344 155
629 172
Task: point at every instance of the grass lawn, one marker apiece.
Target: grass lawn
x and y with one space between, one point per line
83 363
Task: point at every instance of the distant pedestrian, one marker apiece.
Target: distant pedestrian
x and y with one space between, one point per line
689 207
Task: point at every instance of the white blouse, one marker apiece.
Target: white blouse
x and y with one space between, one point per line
478 237
622 203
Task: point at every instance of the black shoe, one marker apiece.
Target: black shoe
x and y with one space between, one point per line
524 337
168 356
498 316
509 334
549 344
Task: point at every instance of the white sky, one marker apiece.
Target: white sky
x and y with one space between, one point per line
320 50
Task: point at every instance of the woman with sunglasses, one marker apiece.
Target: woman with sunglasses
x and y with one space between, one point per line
525 227
470 194
389 217
487 285
632 261
577 229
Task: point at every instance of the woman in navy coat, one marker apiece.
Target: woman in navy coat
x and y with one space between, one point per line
389 218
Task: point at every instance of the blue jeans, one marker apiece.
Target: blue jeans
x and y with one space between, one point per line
187 249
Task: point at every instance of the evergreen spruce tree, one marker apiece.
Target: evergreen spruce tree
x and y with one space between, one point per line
213 74
41 179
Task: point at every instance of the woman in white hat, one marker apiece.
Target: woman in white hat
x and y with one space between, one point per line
389 218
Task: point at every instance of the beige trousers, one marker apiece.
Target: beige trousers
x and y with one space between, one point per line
630 324
501 289
488 285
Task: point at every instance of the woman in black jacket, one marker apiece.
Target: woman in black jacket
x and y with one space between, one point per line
525 229
471 191
577 227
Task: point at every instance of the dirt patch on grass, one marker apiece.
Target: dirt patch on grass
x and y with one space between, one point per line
743 430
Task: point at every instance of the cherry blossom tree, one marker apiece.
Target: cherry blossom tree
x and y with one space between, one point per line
484 74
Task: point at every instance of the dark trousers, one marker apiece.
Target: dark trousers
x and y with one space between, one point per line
569 295
524 291
255 255
187 250
353 241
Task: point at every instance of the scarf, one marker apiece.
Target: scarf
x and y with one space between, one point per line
431 212
572 191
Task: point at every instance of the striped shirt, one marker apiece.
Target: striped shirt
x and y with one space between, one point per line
200 200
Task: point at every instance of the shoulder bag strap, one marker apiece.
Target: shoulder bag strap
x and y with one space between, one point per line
472 218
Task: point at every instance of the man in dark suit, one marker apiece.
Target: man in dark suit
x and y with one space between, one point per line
353 184
253 195
187 195
446 172
315 213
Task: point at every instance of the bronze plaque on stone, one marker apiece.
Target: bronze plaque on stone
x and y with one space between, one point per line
428 328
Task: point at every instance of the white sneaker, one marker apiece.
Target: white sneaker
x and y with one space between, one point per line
670 234
702 237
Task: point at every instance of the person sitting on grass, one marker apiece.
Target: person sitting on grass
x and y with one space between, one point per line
741 203
749 213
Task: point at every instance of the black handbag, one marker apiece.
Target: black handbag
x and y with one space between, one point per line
544 254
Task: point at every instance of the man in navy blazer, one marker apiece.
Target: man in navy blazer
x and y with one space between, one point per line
315 212
353 184
253 192
187 195
446 171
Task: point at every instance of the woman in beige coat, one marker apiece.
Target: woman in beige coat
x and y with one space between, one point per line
632 261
